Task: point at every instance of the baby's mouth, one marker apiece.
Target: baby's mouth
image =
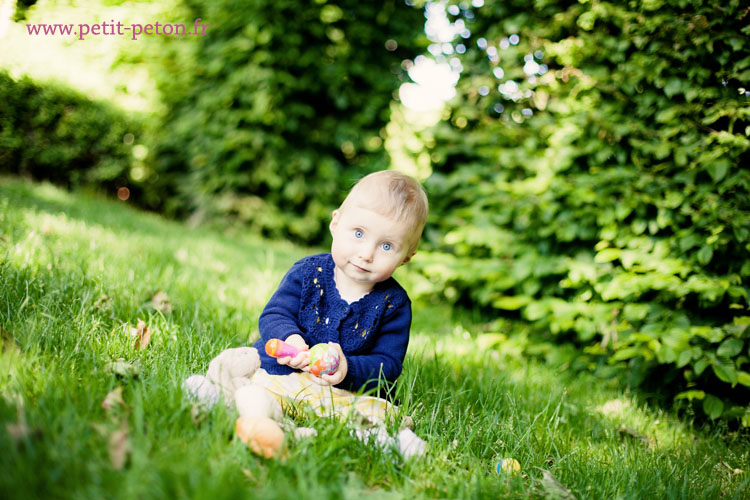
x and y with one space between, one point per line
360 268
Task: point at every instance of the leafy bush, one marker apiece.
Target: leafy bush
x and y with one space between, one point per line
268 117
589 179
283 108
50 132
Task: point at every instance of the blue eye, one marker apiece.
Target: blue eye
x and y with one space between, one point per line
386 246
358 233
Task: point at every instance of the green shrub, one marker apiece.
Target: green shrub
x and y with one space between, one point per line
606 198
285 106
54 133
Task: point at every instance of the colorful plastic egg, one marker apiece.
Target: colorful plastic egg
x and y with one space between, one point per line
508 466
280 349
324 360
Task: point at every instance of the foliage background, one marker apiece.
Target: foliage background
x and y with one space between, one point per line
267 120
282 109
593 187
606 202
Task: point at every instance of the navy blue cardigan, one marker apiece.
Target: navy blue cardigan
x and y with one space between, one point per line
373 332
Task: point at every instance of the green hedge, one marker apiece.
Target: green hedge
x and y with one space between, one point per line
54 133
608 198
270 116
284 108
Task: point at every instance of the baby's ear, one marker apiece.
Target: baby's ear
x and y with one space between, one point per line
334 220
408 257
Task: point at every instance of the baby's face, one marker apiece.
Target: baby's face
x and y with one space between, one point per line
367 246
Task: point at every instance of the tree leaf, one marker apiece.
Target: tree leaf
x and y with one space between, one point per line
672 87
713 406
623 354
730 348
725 372
691 395
705 254
684 358
701 365
511 303
607 255
718 169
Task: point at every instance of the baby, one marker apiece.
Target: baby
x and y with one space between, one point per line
348 297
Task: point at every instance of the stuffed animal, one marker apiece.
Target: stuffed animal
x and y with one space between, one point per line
233 368
229 377
261 423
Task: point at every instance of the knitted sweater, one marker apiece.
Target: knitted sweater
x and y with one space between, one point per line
373 331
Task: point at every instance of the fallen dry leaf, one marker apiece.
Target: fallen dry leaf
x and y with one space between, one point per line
553 488
160 301
19 430
103 303
122 368
119 447
142 335
635 435
7 343
113 400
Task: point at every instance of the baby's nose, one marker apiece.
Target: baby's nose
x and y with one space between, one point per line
366 253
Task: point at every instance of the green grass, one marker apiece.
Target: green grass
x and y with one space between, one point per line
76 272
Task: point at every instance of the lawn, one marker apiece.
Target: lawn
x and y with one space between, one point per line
78 272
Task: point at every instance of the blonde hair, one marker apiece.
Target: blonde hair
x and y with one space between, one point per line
396 196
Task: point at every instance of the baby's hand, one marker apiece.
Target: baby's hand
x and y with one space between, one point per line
301 360
337 376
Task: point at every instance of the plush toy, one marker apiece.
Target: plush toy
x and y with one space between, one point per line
261 423
233 368
229 377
